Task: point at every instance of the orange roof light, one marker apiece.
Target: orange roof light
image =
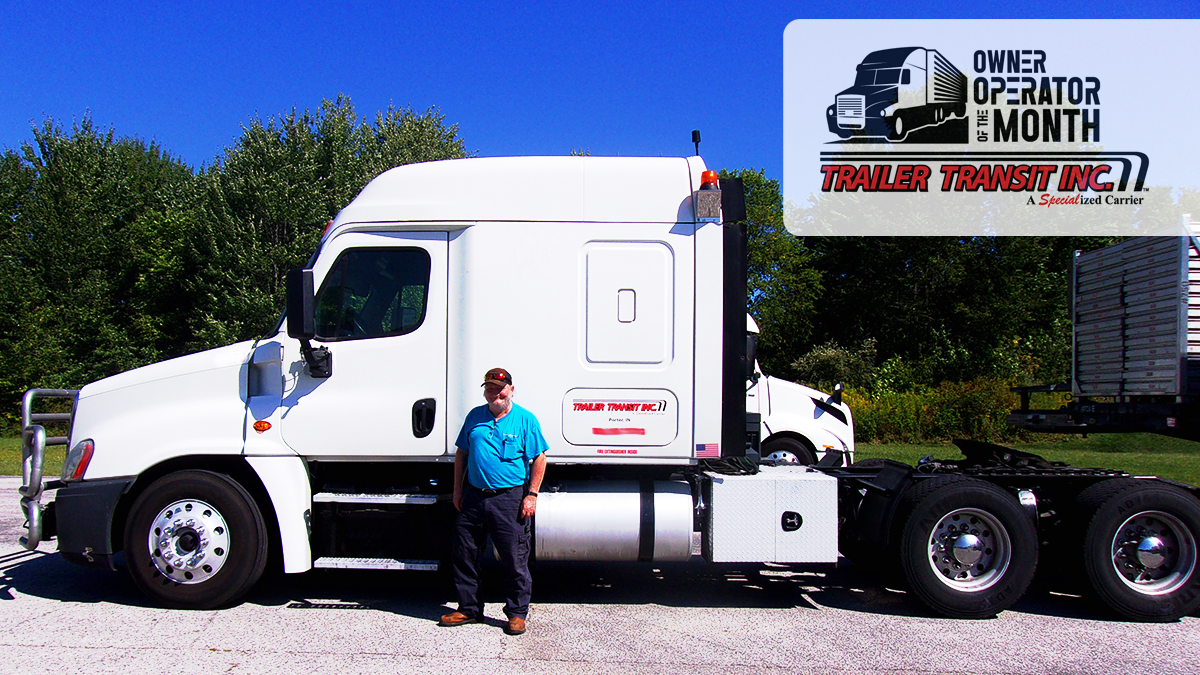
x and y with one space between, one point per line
708 180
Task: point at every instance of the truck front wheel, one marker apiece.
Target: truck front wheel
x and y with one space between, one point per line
195 540
1140 548
788 450
966 549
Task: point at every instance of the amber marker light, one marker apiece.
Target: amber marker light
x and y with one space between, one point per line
708 180
261 426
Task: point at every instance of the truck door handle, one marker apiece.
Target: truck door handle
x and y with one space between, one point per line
423 417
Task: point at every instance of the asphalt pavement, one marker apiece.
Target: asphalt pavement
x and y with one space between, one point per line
585 618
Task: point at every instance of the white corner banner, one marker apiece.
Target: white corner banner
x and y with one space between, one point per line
990 127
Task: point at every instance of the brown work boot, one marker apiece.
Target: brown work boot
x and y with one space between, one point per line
515 626
457 618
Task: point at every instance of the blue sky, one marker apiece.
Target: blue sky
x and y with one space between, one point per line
537 78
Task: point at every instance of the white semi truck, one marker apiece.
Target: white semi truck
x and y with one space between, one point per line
614 290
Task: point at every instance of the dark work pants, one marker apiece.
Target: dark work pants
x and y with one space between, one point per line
500 516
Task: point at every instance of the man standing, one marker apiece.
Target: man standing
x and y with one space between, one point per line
494 450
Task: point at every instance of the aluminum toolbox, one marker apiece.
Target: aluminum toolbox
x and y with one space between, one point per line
1136 308
780 514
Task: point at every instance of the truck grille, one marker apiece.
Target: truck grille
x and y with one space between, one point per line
851 105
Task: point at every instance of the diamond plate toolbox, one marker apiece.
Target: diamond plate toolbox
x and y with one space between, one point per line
781 514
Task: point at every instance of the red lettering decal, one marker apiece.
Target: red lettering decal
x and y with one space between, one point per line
862 178
830 172
1093 181
920 178
949 171
845 173
880 181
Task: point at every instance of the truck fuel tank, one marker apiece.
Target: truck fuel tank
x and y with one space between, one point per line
615 521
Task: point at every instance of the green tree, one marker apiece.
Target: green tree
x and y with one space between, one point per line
782 285
952 308
262 206
80 299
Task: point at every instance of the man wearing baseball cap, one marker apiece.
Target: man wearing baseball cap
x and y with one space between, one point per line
499 450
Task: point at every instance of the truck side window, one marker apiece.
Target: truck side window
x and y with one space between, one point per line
373 292
887 76
906 76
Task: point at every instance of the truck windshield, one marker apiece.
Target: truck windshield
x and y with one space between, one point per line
878 76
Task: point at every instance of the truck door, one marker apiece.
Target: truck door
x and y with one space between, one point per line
381 311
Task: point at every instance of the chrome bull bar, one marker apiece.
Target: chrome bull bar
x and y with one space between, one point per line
33 458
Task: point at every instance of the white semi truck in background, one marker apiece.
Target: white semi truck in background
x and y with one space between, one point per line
614 290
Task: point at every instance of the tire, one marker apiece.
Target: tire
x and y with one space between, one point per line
788 449
1140 548
966 548
195 540
899 128
869 463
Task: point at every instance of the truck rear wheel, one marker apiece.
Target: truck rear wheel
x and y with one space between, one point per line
195 540
1140 548
966 549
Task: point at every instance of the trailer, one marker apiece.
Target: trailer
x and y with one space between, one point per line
614 290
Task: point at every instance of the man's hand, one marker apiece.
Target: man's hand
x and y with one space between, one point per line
458 495
528 506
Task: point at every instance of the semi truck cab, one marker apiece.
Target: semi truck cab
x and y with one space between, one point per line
897 91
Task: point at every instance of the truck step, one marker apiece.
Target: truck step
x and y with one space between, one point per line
375 564
366 498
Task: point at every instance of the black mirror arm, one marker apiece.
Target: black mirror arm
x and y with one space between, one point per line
319 360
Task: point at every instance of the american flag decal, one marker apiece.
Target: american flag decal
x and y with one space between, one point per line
708 450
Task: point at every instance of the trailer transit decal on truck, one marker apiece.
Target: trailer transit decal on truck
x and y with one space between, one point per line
640 417
960 109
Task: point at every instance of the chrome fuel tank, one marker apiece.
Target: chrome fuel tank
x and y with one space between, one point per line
615 521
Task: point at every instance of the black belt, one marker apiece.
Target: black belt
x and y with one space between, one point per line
501 491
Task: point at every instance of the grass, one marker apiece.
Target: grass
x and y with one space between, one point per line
1138 454
10 458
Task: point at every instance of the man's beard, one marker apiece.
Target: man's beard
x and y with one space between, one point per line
496 407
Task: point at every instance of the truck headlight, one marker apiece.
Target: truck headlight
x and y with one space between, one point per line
77 461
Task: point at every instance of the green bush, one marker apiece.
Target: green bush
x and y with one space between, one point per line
976 410
826 365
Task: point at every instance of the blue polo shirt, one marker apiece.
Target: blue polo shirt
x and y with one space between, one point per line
499 450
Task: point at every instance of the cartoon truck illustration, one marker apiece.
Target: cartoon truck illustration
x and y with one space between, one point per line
898 91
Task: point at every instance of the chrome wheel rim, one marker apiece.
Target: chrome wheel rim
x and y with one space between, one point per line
1153 553
969 550
189 541
784 456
